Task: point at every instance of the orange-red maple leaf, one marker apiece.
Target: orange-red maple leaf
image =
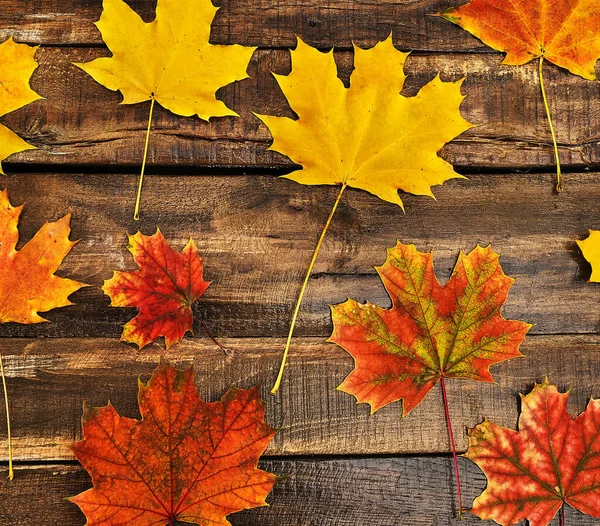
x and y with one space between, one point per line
187 460
431 332
163 289
566 33
27 281
553 459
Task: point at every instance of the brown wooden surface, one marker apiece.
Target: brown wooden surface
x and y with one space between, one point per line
82 123
267 23
217 183
339 492
49 379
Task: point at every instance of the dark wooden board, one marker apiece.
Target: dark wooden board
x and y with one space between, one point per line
257 234
82 123
265 23
415 491
48 381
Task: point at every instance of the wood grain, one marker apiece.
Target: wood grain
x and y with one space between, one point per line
265 23
49 379
257 234
341 492
82 123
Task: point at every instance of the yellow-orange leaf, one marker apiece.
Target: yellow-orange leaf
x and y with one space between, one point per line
27 281
367 136
17 64
169 59
591 252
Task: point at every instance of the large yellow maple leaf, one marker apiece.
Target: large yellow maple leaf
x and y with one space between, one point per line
17 64
168 60
367 136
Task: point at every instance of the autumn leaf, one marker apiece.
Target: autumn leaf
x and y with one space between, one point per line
17 64
552 460
431 332
163 289
564 33
591 252
28 284
367 136
187 460
168 60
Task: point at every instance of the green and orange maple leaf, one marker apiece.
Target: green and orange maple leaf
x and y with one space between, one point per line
17 64
566 33
367 136
431 332
186 461
163 289
28 284
552 460
169 60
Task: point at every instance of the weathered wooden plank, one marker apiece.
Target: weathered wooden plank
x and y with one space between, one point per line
257 234
344 492
265 23
82 123
49 379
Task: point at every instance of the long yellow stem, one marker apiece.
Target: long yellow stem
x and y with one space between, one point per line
559 186
303 290
136 214
11 473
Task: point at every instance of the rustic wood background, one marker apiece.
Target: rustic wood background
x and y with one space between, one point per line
215 182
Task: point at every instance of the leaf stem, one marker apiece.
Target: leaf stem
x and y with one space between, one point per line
11 473
136 213
227 351
303 290
453 444
559 186
562 515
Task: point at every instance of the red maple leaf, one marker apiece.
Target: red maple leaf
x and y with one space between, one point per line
553 459
163 289
187 460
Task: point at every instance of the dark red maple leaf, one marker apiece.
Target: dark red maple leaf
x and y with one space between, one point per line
163 289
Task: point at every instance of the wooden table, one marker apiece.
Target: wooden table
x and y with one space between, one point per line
217 183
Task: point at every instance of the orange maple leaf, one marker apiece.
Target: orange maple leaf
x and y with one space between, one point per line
553 459
431 332
163 289
27 281
564 33
187 460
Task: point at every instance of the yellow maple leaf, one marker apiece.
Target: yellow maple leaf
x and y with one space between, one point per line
591 252
367 136
17 65
168 60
